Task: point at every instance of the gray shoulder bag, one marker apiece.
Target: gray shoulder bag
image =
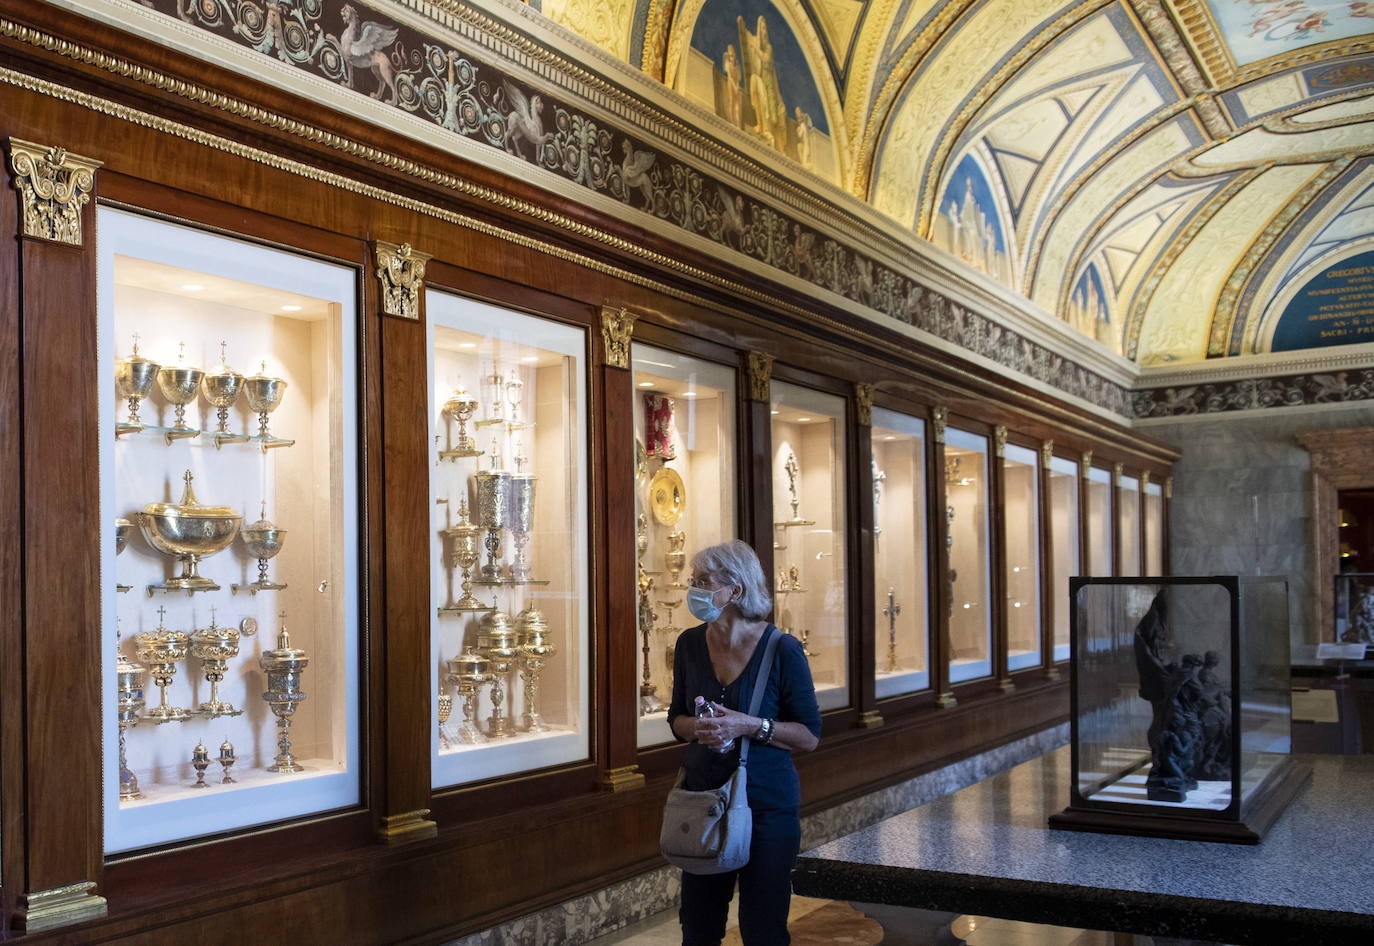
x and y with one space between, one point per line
709 832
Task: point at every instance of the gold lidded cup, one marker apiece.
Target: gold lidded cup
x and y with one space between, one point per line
134 379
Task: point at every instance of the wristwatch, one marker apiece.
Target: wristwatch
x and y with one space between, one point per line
764 736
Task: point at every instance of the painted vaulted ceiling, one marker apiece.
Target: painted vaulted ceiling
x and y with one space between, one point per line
1178 179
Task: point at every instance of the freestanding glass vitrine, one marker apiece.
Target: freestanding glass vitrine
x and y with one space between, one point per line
1180 707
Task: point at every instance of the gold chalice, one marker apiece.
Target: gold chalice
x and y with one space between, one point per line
134 378
263 539
221 387
468 673
535 650
161 649
265 393
214 646
496 641
180 383
461 406
464 551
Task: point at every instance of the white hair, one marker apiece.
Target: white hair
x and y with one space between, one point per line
735 563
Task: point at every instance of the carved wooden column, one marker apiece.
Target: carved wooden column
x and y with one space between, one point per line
756 523
942 601
617 643
401 646
998 580
1341 459
1084 534
1118 534
865 609
51 351
1047 551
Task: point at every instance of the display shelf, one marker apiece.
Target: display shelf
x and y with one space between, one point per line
1064 560
809 478
511 526
970 564
902 633
684 418
1021 515
198 302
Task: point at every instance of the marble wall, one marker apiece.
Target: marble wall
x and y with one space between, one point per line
1242 500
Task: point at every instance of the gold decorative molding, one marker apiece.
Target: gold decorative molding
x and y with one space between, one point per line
1087 463
1168 487
863 400
617 325
939 417
401 269
1046 453
407 827
1144 481
999 440
870 719
623 779
760 376
53 185
59 906
1118 471
946 700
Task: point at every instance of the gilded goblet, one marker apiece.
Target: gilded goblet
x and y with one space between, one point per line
221 387
180 383
496 641
676 558
464 551
263 539
215 646
461 406
535 650
265 393
161 650
134 378
468 672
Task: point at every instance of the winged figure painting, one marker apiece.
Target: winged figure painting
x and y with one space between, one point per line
364 46
524 120
635 169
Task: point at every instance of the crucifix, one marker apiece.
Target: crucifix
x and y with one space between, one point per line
890 612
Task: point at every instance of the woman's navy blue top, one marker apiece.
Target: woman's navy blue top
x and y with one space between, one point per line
774 790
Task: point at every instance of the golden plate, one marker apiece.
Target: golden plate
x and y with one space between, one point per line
667 496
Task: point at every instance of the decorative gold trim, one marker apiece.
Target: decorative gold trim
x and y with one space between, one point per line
939 417
407 827
624 779
999 440
760 376
1087 463
401 270
946 700
53 186
870 719
863 401
1046 453
59 906
1168 487
1118 471
1144 482
617 325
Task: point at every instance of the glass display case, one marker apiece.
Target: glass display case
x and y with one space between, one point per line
902 635
508 547
685 482
1021 506
1180 707
1154 529
967 541
1098 484
810 584
1128 525
1355 608
1065 557
229 479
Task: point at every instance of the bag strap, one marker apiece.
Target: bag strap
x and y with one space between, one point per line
760 684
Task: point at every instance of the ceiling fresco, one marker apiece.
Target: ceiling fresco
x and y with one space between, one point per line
1177 179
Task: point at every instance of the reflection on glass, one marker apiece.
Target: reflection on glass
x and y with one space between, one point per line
1099 486
899 553
1021 478
1128 524
1154 529
809 531
966 516
510 532
684 411
1064 553
249 317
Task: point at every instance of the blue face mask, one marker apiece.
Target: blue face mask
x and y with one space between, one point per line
701 603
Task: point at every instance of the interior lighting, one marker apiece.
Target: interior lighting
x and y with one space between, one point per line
689 394
192 287
290 308
467 344
646 384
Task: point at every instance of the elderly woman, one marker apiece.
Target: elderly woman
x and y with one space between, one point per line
720 660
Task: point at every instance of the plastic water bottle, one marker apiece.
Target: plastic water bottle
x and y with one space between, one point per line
704 708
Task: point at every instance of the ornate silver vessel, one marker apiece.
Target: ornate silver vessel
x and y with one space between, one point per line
134 379
496 641
521 521
265 393
493 515
535 650
461 406
222 387
180 383
161 650
215 646
468 672
263 539
464 551
283 667
188 531
129 679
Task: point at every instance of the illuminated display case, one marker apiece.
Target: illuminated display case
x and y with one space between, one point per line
1021 496
508 552
967 540
229 480
902 635
1098 484
685 483
1128 526
810 583
1154 529
1065 555
1180 712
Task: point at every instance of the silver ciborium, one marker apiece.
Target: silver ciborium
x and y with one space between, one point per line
521 521
469 672
264 540
464 551
283 667
180 383
215 646
496 641
493 515
188 531
265 393
461 406
161 649
221 387
535 650
129 677
134 379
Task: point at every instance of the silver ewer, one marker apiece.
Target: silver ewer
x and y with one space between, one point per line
493 515
535 650
129 677
263 539
521 521
496 641
215 646
468 672
180 383
134 379
283 667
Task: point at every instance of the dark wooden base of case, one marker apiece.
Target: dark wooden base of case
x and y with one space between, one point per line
1273 798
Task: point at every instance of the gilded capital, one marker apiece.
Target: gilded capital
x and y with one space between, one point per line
1168 487
760 376
1144 481
1087 462
939 417
1046 453
1118 471
401 269
863 399
999 440
53 185
616 327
